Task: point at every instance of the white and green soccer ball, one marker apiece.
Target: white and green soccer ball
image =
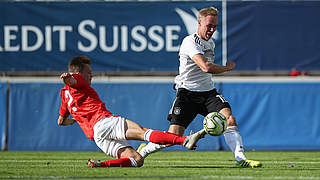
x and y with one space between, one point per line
215 124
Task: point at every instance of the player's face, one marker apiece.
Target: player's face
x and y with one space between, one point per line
207 26
87 73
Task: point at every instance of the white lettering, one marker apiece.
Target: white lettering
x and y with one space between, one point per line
121 38
62 35
88 35
170 37
48 38
156 37
138 37
25 38
8 37
103 39
124 38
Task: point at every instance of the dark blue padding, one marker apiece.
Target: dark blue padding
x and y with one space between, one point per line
271 116
3 111
276 116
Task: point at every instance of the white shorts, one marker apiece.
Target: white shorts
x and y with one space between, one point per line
109 135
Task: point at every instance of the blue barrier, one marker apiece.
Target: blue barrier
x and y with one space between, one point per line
3 111
276 116
33 121
271 116
34 111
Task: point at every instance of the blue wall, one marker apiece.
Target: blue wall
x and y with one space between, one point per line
3 111
276 116
271 116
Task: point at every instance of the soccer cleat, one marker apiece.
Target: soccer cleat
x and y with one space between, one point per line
191 140
249 163
93 163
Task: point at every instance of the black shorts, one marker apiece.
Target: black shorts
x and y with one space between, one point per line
188 104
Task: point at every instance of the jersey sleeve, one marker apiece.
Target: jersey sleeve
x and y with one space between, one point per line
81 83
190 47
63 111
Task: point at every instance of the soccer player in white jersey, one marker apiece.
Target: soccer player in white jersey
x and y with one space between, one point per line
195 89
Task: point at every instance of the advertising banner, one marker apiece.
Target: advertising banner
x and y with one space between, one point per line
117 36
145 36
274 35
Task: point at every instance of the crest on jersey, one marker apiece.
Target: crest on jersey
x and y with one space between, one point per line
176 110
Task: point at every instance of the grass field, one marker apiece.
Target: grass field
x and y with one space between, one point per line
161 165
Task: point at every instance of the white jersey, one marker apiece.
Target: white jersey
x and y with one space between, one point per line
190 75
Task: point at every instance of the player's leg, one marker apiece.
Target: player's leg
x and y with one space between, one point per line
217 103
232 135
234 141
181 114
127 157
136 132
145 149
109 135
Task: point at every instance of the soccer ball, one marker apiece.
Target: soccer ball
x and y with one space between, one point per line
215 124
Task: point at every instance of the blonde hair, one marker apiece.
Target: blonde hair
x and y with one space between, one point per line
210 11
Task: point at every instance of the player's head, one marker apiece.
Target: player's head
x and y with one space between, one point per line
207 22
81 64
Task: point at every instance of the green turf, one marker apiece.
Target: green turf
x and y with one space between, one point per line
161 165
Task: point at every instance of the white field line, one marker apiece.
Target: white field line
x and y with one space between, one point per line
264 162
161 161
162 177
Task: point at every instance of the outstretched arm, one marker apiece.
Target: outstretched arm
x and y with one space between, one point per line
65 121
210 67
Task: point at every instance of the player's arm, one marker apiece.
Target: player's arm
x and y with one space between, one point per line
65 121
210 67
68 79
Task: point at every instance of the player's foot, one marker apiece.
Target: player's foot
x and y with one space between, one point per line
191 140
93 163
145 149
142 145
249 163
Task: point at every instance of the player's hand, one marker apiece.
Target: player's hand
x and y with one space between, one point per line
68 79
230 65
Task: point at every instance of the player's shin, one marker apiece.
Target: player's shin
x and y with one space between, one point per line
162 137
234 141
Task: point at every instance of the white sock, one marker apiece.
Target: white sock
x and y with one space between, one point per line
150 148
234 141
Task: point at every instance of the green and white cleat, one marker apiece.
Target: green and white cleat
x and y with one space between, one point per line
191 140
249 163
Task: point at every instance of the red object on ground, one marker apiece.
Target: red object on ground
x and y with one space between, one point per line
295 73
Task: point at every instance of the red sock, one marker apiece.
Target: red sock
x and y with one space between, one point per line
162 137
122 162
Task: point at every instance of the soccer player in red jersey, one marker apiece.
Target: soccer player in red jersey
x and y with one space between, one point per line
108 131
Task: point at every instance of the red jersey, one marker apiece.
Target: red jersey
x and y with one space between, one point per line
83 103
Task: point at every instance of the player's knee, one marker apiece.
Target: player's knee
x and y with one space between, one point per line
231 121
